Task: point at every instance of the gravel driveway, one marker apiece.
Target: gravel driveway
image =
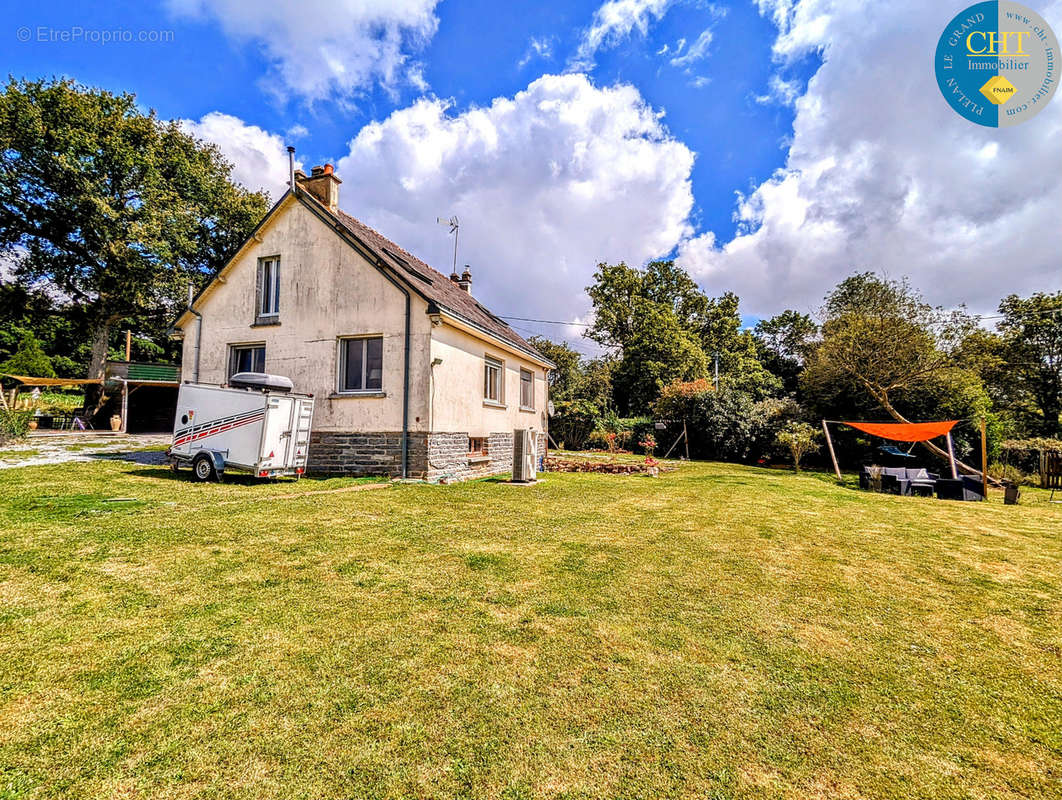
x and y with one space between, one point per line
41 449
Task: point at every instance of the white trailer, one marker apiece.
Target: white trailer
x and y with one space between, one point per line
255 424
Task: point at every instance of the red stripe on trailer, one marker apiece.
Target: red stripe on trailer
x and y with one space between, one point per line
220 429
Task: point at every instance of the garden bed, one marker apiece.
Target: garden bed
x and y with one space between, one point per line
559 464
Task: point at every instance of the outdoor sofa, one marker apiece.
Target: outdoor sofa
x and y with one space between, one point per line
901 480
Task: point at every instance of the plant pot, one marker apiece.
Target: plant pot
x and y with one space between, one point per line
116 423
1011 494
652 472
32 425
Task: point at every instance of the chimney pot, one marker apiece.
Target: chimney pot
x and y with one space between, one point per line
323 184
466 279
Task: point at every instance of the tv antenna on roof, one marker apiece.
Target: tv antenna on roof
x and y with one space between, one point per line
455 225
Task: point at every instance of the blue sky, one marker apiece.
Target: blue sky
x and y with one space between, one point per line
476 56
773 146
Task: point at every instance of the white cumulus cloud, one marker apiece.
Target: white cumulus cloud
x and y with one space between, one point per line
881 174
323 47
546 184
259 158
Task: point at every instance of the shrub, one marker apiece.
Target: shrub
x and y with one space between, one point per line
59 402
799 439
629 430
1011 473
1024 454
13 424
726 425
613 441
29 359
572 423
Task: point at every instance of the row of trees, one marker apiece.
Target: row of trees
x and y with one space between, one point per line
876 350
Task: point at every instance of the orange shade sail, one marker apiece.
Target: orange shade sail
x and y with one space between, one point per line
905 431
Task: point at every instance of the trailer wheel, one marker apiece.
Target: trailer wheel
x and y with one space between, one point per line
203 468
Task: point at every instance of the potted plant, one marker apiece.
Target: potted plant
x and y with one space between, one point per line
652 466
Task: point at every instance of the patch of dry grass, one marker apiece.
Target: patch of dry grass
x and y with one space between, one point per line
719 631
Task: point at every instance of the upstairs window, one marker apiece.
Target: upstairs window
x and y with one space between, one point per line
361 364
267 290
246 358
492 381
527 389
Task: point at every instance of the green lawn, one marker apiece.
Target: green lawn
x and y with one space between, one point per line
718 632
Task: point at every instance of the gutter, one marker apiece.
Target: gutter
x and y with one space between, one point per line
468 326
198 333
405 380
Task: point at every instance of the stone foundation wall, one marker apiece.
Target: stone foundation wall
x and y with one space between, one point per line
368 453
434 456
448 456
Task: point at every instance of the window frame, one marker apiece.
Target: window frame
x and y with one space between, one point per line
529 406
268 279
489 363
238 347
342 343
483 451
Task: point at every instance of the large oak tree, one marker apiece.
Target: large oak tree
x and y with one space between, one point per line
114 207
879 338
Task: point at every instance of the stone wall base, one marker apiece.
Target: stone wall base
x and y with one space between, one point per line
432 456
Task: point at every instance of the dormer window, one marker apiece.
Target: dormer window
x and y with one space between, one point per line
267 291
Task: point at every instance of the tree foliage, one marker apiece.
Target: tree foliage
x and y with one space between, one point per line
883 348
115 208
784 343
29 359
1031 356
658 352
664 329
880 337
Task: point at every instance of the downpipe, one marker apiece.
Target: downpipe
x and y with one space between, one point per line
198 332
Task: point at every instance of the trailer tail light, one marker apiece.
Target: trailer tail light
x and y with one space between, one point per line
263 474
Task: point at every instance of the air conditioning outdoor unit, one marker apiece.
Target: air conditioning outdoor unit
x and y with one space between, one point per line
524 455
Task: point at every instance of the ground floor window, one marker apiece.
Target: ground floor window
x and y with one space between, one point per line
246 358
477 446
361 364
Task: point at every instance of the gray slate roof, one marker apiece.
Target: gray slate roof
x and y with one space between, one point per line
432 284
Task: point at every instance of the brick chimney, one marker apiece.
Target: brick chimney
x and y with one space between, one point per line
322 184
466 280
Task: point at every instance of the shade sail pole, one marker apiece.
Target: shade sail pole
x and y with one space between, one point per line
951 458
833 455
125 406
